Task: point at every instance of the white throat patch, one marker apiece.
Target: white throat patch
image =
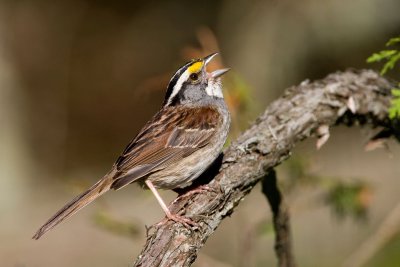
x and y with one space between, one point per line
214 88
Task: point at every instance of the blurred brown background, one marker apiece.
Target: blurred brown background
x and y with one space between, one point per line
79 78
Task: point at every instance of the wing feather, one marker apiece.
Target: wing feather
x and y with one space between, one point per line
173 134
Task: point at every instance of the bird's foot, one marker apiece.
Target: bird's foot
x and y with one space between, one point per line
197 190
188 223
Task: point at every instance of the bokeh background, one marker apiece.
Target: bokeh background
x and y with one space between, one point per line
79 78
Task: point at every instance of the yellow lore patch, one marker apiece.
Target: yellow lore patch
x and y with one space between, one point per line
196 67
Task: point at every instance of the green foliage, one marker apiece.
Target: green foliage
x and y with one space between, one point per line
349 199
394 110
395 40
391 57
345 198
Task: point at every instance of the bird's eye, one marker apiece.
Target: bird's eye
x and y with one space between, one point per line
194 76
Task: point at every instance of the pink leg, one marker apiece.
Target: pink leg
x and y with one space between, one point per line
176 218
197 190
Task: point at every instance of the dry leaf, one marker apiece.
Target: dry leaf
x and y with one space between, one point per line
323 135
351 104
378 140
374 144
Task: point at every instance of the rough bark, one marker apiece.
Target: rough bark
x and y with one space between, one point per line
349 97
280 219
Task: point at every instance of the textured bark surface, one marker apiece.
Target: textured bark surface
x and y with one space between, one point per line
350 97
280 219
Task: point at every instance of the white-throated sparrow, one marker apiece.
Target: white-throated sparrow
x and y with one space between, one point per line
174 147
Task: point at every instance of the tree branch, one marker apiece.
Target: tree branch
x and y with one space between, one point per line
281 220
293 117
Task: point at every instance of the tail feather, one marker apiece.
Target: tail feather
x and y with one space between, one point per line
75 205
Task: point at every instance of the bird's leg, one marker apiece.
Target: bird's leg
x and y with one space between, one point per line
174 217
199 189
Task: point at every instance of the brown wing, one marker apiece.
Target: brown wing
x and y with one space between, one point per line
173 134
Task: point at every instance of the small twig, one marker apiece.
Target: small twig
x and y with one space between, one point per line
281 221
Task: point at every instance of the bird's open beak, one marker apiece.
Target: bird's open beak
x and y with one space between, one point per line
208 58
216 73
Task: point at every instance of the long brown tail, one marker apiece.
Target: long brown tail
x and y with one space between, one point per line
75 205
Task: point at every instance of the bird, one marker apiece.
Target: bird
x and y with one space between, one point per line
173 148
